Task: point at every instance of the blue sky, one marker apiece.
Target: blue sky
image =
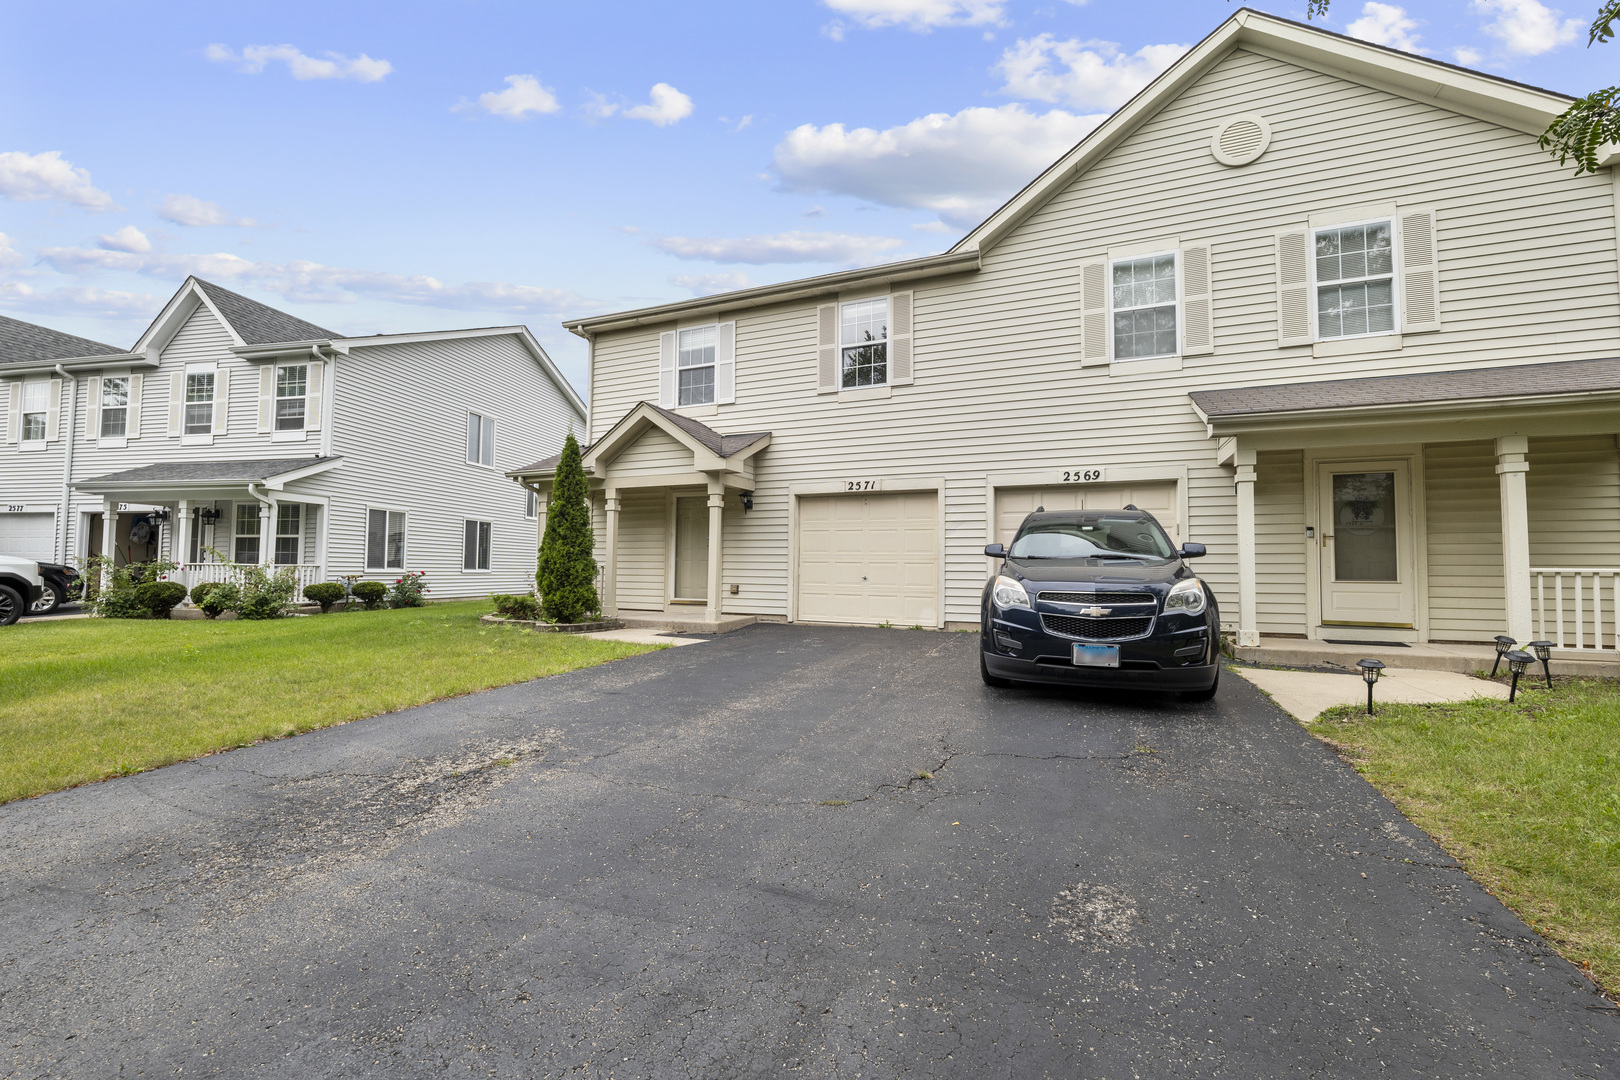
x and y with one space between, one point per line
411 166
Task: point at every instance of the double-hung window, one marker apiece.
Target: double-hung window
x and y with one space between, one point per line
385 540
1355 280
475 545
114 407
199 415
289 533
531 503
247 534
480 439
36 401
863 343
694 366
292 393
1143 298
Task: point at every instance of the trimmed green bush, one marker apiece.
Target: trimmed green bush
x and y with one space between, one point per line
325 593
221 597
567 571
408 590
201 591
516 607
160 597
370 593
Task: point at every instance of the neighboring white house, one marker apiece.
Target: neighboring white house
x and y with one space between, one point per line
233 427
1321 305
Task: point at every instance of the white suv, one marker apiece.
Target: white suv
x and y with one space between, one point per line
20 585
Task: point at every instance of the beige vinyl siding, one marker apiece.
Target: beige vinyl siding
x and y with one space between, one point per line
643 550
1280 546
1573 490
1464 511
650 454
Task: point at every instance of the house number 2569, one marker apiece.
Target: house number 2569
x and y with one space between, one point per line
1081 476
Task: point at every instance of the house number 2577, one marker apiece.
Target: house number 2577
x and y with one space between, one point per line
1081 476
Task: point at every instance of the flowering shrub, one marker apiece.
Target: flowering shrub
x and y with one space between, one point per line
408 591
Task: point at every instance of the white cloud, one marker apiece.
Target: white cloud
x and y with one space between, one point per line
129 238
192 211
33 177
523 95
789 247
709 284
932 226
1386 24
78 300
1467 57
1527 27
961 166
919 15
666 106
253 58
9 255
1085 74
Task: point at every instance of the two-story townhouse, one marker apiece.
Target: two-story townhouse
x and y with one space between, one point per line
234 431
1323 306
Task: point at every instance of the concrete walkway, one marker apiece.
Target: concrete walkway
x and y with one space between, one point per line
1464 659
1307 694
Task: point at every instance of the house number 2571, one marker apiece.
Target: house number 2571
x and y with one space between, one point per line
1082 476
860 485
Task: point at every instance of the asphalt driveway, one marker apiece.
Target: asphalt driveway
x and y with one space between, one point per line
721 861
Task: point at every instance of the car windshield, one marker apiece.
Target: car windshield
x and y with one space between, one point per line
1092 538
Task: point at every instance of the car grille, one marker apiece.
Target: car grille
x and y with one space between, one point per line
1113 629
1096 597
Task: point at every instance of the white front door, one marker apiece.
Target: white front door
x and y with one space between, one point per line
1367 568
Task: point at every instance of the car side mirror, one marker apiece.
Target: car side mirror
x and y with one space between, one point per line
996 551
1193 551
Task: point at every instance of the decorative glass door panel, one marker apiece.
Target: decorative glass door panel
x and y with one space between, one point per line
1365 529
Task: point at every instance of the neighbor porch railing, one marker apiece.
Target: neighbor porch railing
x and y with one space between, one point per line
195 574
1575 609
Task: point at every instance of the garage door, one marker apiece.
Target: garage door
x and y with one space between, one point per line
1157 498
869 558
28 536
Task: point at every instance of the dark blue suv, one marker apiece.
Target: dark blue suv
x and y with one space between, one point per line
1099 598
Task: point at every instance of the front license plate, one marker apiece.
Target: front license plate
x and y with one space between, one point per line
1096 655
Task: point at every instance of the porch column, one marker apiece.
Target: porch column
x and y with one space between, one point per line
610 565
267 533
1511 451
181 532
109 537
717 506
1248 615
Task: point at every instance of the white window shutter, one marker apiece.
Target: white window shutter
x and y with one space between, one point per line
1197 301
53 411
1293 288
267 398
92 408
177 400
725 363
315 389
132 423
1420 272
1094 311
14 414
222 400
666 369
900 305
827 349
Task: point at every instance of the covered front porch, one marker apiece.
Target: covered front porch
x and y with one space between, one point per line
1439 509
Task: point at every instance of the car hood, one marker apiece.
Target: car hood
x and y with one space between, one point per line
1158 576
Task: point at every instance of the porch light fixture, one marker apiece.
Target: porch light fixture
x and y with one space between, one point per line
1518 660
1504 645
1371 670
207 514
159 516
747 498
1543 651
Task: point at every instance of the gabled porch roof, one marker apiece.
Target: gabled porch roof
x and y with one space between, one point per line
711 450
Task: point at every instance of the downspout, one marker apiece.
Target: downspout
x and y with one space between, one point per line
67 458
267 525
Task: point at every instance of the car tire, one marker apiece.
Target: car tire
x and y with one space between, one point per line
11 605
989 679
1204 695
48 601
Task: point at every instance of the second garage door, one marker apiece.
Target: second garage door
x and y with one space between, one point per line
1156 497
869 558
28 536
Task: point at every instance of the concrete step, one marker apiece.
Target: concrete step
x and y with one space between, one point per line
653 620
1295 653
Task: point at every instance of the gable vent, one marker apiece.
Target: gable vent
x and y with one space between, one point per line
1241 140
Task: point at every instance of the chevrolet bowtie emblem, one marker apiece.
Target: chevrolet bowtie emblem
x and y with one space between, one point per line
1096 612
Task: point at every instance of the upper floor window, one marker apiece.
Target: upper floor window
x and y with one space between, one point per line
694 365
480 439
475 545
199 416
1355 280
1143 296
863 343
292 392
36 401
114 407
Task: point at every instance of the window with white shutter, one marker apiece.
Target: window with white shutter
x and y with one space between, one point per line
725 363
900 321
114 407
666 369
1354 268
1420 272
863 343
53 411
1143 306
35 403
827 349
137 387
694 366
1197 301
200 393
292 396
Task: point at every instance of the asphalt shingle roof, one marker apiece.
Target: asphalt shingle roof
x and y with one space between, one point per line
259 324
1519 380
26 343
225 472
724 445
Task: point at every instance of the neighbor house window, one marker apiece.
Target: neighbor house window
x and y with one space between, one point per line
200 403
531 504
36 401
863 343
1144 305
115 407
385 540
1355 281
480 439
247 534
292 389
694 365
475 546
289 532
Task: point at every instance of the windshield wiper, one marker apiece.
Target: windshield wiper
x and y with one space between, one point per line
1117 555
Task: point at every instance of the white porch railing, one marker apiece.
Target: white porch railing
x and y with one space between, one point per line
195 574
1570 607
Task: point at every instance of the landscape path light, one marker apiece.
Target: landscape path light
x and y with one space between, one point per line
1518 660
1370 671
1543 651
1504 645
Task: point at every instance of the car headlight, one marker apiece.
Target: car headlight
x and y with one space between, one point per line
1187 597
1007 593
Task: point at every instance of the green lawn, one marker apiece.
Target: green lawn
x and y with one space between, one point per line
85 699
1526 796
